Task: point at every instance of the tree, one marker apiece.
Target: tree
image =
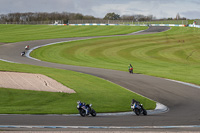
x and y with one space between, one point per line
43 16
112 16
127 17
79 16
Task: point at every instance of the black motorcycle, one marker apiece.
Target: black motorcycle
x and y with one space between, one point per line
23 53
85 109
138 108
131 70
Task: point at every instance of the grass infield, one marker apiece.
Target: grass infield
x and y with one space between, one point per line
174 54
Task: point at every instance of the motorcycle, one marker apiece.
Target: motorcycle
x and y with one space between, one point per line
131 70
85 109
22 53
138 108
27 47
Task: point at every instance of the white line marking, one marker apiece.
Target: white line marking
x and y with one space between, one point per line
188 84
9 61
103 127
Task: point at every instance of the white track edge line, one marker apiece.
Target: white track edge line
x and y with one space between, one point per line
103 127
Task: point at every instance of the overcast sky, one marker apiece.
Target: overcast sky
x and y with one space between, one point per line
98 8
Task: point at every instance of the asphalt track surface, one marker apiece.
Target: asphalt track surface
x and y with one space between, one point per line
183 101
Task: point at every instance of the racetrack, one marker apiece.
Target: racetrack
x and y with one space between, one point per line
182 100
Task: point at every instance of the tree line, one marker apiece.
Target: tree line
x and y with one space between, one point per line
66 16
43 16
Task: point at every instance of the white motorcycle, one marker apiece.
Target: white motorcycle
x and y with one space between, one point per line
85 109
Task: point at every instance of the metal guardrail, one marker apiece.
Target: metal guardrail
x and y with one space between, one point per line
95 24
128 22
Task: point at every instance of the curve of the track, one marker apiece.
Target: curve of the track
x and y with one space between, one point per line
182 100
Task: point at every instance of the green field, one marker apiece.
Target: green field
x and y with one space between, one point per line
18 33
174 54
105 96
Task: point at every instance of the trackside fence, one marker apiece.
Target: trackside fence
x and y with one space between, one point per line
101 21
179 23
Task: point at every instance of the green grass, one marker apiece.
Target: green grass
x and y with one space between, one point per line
104 95
174 54
17 33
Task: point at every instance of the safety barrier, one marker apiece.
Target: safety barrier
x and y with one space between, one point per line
95 24
178 25
191 25
91 24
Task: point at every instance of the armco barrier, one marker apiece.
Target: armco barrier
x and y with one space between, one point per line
109 24
95 24
180 25
191 25
91 24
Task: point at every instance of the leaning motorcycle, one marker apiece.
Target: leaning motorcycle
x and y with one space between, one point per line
138 108
22 53
85 110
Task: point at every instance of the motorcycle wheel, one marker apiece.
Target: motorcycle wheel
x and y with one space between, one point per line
82 113
144 112
137 111
93 113
131 71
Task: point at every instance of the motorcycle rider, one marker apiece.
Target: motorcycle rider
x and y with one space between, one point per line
23 53
134 101
130 67
138 108
27 47
86 106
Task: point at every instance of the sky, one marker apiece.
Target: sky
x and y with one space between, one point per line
99 8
